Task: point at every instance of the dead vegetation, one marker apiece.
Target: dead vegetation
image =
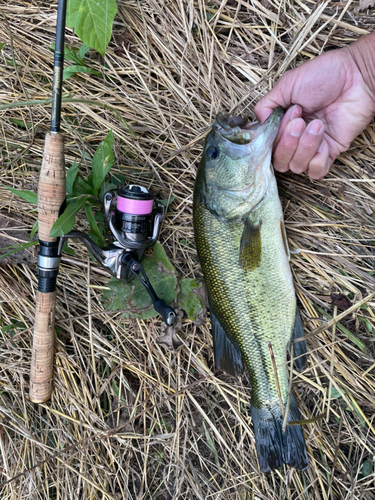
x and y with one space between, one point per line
129 419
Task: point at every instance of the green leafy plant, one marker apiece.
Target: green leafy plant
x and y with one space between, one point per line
92 20
84 193
76 55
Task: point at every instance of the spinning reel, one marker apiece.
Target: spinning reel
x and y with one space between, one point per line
135 226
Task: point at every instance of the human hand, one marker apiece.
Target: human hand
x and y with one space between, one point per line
329 101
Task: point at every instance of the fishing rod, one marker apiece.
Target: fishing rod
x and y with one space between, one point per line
51 196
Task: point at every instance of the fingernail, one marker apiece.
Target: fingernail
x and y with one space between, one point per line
297 127
295 112
315 127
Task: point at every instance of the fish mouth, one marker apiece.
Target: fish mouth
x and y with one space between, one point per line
236 129
240 130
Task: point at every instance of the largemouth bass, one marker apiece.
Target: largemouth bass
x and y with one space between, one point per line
242 248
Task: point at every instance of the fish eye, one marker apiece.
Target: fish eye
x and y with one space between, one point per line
212 152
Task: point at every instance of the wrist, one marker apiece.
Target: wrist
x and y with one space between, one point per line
363 54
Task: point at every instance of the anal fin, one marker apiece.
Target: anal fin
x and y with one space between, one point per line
227 354
299 348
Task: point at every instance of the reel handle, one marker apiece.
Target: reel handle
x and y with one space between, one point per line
166 312
131 261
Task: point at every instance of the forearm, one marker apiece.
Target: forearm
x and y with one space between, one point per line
363 54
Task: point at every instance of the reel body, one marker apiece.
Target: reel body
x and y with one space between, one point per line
135 224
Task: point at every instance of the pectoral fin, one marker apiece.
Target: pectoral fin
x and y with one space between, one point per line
251 246
227 354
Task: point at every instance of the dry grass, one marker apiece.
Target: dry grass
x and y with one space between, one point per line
128 419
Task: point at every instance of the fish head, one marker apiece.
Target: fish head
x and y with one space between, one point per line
236 164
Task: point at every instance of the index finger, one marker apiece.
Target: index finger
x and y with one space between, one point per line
280 95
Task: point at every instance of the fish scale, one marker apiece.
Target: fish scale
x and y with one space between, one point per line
242 248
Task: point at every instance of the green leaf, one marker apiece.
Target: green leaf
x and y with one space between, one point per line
102 161
167 201
72 70
106 186
81 187
29 196
83 51
344 330
66 221
19 123
188 300
367 323
335 393
92 20
34 229
17 248
70 54
2 45
67 249
137 302
71 177
367 468
95 233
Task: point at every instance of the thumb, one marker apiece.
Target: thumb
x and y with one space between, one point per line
280 95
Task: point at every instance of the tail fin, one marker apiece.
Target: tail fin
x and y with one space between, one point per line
275 448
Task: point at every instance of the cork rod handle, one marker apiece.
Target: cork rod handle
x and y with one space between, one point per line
51 195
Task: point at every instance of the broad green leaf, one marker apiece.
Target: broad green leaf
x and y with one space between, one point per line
71 177
29 196
72 70
34 229
136 302
95 233
102 162
92 20
66 221
187 299
2 45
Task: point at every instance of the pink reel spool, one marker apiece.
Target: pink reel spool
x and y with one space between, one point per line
134 200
